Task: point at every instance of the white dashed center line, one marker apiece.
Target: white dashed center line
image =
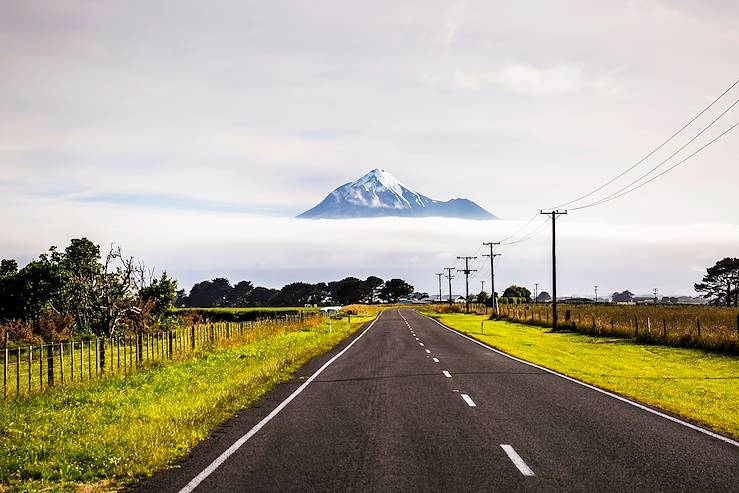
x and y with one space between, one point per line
517 460
428 351
469 400
420 344
436 360
447 374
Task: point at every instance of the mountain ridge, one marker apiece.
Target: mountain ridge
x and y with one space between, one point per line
379 194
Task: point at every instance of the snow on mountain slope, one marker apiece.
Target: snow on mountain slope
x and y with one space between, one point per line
378 194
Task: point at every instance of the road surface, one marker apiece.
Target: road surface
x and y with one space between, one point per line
408 405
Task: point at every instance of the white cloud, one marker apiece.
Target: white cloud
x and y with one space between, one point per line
273 251
526 79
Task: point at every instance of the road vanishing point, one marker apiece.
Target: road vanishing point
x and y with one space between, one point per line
407 404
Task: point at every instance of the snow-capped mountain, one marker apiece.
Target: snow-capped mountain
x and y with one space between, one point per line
378 194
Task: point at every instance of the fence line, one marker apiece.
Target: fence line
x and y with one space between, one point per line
49 365
688 331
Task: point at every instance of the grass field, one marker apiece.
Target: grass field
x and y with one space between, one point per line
700 386
708 327
109 433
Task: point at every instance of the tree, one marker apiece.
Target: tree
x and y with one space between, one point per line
295 294
208 294
374 283
395 289
721 283
239 295
8 291
482 297
517 292
160 293
260 296
544 297
625 297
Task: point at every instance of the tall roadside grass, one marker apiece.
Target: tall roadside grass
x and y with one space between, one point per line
706 327
109 433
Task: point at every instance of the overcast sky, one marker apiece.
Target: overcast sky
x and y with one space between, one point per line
191 132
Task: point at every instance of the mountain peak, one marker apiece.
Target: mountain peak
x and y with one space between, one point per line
378 194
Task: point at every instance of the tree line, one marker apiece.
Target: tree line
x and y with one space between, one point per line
78 290
219 292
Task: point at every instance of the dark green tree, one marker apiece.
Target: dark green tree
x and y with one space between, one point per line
394 289
160 293
208 294
482 297
239 295
517 292
544 297
721 283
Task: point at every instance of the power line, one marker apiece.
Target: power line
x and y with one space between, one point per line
623 191
534 233
652 151
521 228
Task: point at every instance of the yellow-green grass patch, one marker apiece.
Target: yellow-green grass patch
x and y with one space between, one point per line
112 432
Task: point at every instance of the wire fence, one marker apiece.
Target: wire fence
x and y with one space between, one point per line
33 369
715 329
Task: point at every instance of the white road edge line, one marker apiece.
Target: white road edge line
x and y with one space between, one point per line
468 400
189 487
591 387
436 360
447 374
517 460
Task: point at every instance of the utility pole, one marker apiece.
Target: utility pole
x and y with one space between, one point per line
492 274
536 291
655 290
596 294
554 215
449 276
440 276
467 271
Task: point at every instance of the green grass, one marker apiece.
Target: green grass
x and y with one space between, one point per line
700 386
112 432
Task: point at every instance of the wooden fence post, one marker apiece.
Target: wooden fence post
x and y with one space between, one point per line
5 367
71 361
192 338
30 364
99 356
636 322
664 328
140 346
82 359
18 371
41 367
170 343
699 328
61 361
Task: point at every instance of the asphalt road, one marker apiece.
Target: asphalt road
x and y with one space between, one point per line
412 406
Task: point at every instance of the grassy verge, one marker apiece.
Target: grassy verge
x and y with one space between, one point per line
697 385
110 433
